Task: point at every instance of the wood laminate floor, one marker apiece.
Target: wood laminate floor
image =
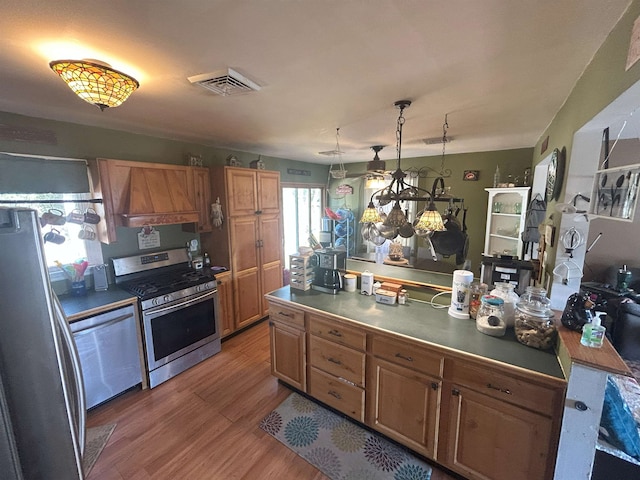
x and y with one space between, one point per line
203 424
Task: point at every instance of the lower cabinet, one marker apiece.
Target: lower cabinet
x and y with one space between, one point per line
225 302
288 352
494 440
405 405
482 420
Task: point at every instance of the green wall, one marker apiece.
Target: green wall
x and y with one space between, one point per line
512 162
603 81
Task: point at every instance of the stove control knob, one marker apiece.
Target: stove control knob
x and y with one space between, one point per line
198 288
154 302
166 298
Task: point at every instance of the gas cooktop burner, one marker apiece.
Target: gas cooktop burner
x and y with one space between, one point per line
166 283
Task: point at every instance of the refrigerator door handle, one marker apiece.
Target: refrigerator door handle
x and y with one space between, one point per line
67 336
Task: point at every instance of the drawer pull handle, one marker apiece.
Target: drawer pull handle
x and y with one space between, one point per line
335 394
404 357
290 315
333 360
335 333
503 390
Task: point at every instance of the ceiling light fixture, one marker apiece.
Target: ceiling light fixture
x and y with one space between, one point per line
95 82
399 191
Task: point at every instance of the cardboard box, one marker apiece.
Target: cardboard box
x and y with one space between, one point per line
391 287
385 296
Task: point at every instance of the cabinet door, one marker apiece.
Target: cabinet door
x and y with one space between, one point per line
243 235
506 212
271 280
288 354
248 297
404 404
268 184
271 239
203 198
493 440
225 299
241 191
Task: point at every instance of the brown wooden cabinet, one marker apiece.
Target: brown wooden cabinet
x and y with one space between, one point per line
202 191
493 440
404 393
336 359
250 240
482 419
136 194
288 347
225 302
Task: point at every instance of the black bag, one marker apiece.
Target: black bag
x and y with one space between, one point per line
536 212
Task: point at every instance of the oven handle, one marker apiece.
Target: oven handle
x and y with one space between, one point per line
182 304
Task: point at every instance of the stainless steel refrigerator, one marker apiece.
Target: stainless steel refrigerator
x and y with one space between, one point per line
42 407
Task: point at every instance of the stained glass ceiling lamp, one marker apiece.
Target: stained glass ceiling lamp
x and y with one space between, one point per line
399 191
95 82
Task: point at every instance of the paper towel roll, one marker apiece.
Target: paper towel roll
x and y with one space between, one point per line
460 293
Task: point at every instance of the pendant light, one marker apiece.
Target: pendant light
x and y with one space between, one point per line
398 191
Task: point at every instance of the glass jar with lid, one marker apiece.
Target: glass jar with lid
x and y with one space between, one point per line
534 324
476 291
490 316
506 291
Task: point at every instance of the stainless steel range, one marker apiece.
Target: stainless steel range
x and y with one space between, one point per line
179 310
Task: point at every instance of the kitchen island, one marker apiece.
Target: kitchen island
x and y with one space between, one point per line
484 407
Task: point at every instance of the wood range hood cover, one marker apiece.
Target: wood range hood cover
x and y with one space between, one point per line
136 194
159 196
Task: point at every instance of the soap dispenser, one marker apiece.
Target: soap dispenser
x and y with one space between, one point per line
593 333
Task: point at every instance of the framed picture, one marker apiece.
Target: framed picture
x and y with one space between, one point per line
615 193
471 175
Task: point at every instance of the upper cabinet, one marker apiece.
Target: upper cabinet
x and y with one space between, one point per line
136 194
254 191
505 221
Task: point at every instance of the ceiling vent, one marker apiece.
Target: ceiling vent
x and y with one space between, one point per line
225 82
437 140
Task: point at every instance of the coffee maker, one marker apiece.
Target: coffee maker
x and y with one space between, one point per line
330 266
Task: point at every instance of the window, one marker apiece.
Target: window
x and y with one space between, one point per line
73 248
302 214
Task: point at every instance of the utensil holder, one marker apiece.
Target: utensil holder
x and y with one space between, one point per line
79 288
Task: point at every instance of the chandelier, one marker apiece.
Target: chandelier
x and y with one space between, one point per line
398 191
95 82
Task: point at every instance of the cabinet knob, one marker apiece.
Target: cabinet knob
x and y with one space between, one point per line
455 392
434 386
258 212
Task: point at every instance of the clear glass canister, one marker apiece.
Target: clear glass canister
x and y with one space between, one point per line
534 325
506 291
490 316
476 291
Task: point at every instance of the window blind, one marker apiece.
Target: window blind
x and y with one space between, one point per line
27 174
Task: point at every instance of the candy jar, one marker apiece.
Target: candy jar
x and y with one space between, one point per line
505 291
476 291
490 316
534 324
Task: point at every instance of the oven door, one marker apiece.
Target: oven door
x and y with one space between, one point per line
175 329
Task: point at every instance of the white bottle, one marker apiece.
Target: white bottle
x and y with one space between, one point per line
496 177
593 333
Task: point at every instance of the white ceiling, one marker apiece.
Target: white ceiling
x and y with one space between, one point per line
500 69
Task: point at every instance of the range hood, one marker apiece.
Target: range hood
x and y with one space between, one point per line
159 196
137 194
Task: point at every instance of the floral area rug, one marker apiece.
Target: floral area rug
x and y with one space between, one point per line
97 438
337 446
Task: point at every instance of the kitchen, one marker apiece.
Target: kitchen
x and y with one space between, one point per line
52 139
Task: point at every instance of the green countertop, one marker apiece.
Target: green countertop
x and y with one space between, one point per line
93 302
420 321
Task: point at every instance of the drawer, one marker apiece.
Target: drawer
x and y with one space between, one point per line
344 335
346 398
517 390
287 315
408 355
337 360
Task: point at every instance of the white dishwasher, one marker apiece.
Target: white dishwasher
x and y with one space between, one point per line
109 358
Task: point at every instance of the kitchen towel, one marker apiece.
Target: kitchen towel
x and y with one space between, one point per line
337 446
